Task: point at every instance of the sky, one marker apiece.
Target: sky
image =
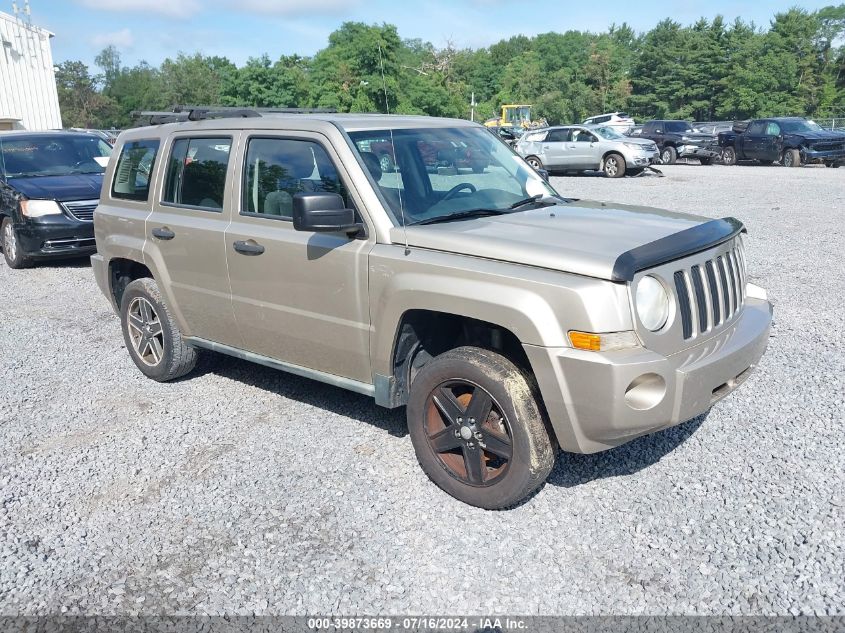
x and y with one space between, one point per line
152 30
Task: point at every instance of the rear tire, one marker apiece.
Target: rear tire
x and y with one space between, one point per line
614 166
535 162
729 156
477 429
791 158
12 251
151 335
669 156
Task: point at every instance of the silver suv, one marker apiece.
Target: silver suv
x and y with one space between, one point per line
507 319
575 148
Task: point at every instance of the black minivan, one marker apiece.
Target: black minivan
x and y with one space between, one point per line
49 187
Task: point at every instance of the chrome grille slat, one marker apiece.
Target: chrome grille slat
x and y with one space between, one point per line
710 292
81 209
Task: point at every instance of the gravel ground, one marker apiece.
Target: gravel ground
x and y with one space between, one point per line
244 490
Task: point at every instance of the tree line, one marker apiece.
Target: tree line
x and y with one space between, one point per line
709 70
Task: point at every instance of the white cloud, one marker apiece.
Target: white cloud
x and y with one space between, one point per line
120 39
168 8
295 7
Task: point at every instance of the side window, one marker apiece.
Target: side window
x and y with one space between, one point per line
277 169
196 173
773 129
134 169
582 136
757 128
558 136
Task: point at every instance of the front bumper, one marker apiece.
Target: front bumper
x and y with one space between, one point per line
641 159
833 155
56 236
697 151
587 394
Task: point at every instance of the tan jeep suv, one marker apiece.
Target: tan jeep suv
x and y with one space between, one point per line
451 279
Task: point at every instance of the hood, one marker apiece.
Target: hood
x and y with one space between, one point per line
821 135
582 237
61 188
636 139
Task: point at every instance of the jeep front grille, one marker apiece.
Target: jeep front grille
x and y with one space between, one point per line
712 293
81 209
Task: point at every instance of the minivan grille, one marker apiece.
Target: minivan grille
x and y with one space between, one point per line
81 209
710 294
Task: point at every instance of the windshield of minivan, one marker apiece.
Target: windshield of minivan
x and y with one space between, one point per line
52 155
431 173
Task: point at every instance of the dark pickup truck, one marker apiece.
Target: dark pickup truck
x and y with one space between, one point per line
679 139
793 141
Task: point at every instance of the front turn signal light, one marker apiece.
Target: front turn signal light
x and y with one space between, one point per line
602 342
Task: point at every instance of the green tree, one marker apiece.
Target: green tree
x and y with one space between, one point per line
82 105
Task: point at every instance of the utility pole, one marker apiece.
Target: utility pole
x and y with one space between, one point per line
472 105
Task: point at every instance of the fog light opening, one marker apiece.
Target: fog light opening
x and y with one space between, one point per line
645 392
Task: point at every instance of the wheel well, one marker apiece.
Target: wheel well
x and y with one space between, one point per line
122 272
609 152
424 334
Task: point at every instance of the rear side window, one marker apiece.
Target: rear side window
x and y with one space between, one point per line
758 128
196 172
558 136
278 168
134 170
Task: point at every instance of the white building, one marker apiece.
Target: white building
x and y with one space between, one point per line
28 97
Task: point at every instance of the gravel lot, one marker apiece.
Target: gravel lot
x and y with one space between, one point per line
243 490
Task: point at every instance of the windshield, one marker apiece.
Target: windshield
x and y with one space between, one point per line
800 126
53 155
430 173
608 133
678 126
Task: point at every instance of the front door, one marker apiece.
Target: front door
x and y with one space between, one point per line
185 235
754 141
298 297
583 150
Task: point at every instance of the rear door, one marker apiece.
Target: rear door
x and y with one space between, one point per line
556 150
185 233
298 297
770 147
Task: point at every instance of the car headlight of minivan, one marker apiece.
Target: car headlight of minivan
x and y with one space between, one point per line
39 208
634 145
652 302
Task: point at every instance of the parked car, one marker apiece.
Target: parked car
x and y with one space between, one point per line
620 121
712 128
577 148
507 319
791 140
678 139
49 186
508 133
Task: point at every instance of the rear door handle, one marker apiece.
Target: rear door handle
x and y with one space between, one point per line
248 247
163 233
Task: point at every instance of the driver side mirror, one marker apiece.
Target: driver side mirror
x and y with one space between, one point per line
322 212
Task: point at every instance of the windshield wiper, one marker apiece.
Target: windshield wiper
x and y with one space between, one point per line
537 199
461 215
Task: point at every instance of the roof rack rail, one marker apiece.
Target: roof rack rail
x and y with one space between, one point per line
201 113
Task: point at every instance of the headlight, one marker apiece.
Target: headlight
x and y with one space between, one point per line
634 145
652 303
38 208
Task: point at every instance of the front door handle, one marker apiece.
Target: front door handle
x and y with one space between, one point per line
248 247
163 233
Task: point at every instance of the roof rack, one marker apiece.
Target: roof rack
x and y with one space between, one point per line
201 113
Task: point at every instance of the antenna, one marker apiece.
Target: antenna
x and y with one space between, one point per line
393 151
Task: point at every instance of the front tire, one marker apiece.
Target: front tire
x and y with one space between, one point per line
791 158
12 250
477 429
151 335
614 166
729 156
669 156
